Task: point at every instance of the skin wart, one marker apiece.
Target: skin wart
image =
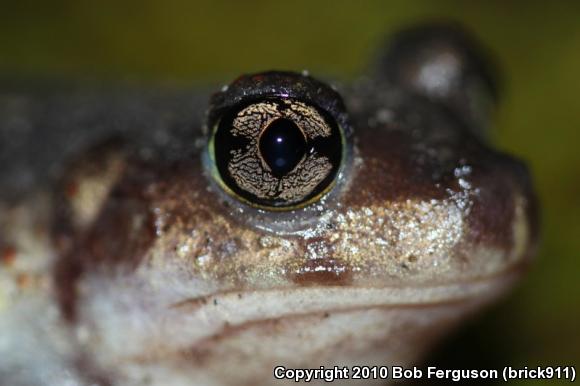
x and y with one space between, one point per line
149 273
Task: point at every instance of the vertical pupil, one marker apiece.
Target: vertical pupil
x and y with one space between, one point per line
282 145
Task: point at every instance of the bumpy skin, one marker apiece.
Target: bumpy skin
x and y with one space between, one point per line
143 271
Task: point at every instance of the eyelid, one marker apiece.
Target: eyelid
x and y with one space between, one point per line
281 85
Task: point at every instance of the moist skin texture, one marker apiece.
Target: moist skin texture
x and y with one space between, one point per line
138 269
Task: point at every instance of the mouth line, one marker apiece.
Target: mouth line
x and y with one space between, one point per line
208 318
318 298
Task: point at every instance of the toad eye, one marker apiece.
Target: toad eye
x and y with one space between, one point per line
276 152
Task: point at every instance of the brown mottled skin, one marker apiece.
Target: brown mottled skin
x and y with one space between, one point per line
166 279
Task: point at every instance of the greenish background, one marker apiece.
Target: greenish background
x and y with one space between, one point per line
537 45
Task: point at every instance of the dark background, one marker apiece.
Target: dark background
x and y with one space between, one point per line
189 43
